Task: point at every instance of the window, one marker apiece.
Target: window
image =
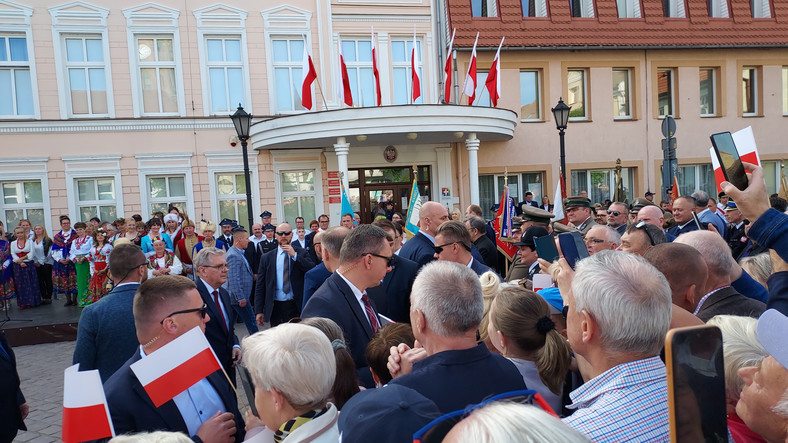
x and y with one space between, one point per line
761 9
298 194
225 73
601 183
749 91
628 8
165 191
694 177
718 8
23 200
232 196
16 89
87 80
482 94
401 51
534 8
785 90
708 92
576 94
673 8
156 62
622 95
530 95
96 198
491 188
665 92
772 174
288 56
484 8
582 8
358 58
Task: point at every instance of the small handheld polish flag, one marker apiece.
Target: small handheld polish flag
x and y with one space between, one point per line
85 411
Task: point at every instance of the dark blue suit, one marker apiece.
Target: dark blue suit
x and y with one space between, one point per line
265 289
10 395
676 230
393 300
419 249
335 300
480 268
106 336
313 279
132 410
222 342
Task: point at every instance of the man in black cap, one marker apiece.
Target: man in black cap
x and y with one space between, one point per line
528 264
737 235
650 196
265 218
268 243
578 211
227 231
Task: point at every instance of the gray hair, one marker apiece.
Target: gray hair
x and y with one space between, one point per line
715 251
610 234
203 257
629 299
450 297
477 223
332 239
740 348
152 437
295 360
758 266
509 421
781 408
701 198
362 240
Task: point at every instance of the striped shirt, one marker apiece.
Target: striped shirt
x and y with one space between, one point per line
628 402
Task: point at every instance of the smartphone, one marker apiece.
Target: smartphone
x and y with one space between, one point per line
573 247
696 385
545 248
248 386
728 156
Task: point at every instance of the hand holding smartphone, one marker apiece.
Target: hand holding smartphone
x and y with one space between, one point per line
729 159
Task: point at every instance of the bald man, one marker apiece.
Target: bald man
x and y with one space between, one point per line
653 215
420 247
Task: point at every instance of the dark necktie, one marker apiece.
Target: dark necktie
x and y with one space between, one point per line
219 308
373 319
286 274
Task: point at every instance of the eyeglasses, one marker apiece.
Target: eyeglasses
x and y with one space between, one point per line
202 310
615 213
284 232
594 240
438 249
389 258
642 225
224 266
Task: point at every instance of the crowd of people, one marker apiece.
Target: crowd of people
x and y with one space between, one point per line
356 334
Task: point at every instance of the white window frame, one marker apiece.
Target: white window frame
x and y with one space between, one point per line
482 94
538 86
93 167
22 170
673 73
611 183
586 8
289 22
358 66
295 80
784 74
626 94
165 164
81 20
712 191
142 22
713 77
540 8
718 9
407 65
628 8
569 101
492 8
228 163
293 165
755 90
16 19
222 21
761 9
676 9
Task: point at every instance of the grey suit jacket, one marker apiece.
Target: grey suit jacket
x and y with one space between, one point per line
239 276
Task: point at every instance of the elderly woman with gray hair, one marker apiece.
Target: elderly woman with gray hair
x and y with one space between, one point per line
293 370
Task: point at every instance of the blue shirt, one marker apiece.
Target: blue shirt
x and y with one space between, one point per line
280 265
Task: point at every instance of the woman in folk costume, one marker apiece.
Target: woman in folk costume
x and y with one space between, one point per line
6 281
64 276
185 246
163 262
172 227
208 228
99 265
154 233
24 270
80 250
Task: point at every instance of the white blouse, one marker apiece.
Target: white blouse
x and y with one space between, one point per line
80 247
15 250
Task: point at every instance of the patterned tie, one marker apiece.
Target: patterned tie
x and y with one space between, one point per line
286 274
219 308
373 319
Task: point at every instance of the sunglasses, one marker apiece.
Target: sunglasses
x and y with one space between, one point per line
642 225
436 430
202 310
438 249
389 258
615 213
284 232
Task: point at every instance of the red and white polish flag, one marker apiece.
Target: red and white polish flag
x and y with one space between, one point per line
469 87
414 64
493 81
343 87
308 76
375 72
85 412
447 70
745 146
176 366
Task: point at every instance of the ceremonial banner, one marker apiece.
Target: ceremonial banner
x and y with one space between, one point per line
414 208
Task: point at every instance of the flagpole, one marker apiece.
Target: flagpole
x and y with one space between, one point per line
500 222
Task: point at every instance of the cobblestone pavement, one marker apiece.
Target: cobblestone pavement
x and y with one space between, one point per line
41 369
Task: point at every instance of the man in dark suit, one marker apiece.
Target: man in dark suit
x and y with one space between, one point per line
240 279
477 228
394 300
419 247
453 243
210 267
315 277
280 280
737 234
13 407
683 209
106 336
364 260
529 201
268 243
165 308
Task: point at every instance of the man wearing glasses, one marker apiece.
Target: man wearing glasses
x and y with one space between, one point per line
641 237
617 215
165 308
279 291
453 243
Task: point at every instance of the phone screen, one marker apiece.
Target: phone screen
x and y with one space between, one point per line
572 247
696 385
545 248
729 159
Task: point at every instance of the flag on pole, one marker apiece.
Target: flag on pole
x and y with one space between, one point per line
783 182
674 192
503 225
343 87
346 208
447 70
469 87
558 203
414 70
414 208
375 67
308 76
176 366
85 412
493 82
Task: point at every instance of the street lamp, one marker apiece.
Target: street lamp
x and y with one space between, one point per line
242 120
561 115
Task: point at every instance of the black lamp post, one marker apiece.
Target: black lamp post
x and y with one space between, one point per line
561 115
242 121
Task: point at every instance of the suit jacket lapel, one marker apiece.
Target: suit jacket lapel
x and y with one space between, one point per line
350 298
168 411
212 308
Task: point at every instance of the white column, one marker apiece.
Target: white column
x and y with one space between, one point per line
342 148
472 145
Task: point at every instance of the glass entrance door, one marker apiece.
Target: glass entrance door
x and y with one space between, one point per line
375 187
